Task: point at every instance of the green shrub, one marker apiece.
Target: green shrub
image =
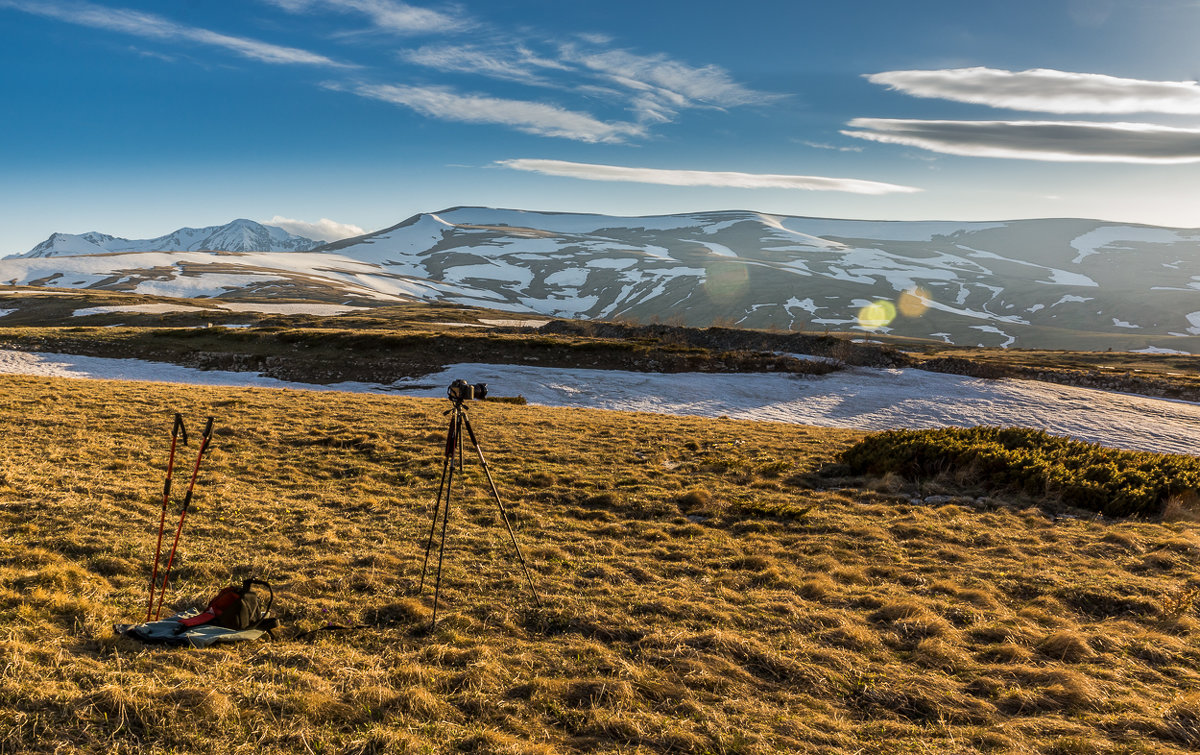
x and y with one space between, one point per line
1112 482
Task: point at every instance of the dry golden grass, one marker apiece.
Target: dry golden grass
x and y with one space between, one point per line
706 591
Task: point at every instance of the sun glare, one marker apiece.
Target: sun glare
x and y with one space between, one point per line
876 315
913 302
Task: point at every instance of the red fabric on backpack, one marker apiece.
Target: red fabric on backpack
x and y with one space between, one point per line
227 597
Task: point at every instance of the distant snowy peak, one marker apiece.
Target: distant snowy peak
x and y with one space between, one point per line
69 243
238 236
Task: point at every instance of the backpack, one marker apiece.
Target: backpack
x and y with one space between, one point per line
236 608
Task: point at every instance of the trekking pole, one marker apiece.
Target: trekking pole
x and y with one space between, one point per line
187 501
176 430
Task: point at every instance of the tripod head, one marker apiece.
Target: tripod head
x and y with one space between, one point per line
460 391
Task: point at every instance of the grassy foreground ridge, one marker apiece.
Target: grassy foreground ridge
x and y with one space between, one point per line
709 588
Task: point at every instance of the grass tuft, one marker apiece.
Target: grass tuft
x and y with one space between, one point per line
1088 476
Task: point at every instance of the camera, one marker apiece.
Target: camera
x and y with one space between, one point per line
461 390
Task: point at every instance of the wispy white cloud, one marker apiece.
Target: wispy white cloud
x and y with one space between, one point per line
150 26
651 89
530 117
593 172
386 15
1038 140
832 147
1046 91
518 64
654 87
322 230
662 86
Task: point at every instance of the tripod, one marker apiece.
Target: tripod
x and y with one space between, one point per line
454 444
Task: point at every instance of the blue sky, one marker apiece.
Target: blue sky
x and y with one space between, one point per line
327 116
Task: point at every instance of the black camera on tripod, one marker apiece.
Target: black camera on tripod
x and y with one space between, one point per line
461 390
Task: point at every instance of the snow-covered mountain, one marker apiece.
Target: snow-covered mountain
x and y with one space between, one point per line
1022 282
1055 283
238 236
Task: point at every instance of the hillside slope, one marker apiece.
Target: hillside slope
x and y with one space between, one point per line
706 589
997 284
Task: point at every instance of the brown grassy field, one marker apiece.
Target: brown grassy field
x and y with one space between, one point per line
707 590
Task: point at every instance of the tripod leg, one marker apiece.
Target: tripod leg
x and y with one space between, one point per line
503 513
457 437
447 463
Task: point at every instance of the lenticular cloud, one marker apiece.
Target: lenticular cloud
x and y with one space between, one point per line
1045 90
1059 141
727 179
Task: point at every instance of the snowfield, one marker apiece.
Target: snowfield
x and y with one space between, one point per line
302 308
102 368
861 398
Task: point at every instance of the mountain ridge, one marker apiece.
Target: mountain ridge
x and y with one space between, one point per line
239 235
1038 283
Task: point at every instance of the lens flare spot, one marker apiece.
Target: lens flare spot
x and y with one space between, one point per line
913 302
726 282
876 315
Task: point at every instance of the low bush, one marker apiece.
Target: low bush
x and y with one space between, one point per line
1112 482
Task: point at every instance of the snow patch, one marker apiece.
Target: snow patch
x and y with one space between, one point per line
885 230
301 308
197 286
862 398
1105 238
1065 278
561 306
1158 350
997 331
494 270
859 398
718 249
146 309
1122 324
102 368
514 323
808 305
1057 277
298 308
1072 298
571 276
1194 319
613 264
566 222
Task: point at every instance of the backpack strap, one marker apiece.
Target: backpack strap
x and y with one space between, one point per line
270 592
